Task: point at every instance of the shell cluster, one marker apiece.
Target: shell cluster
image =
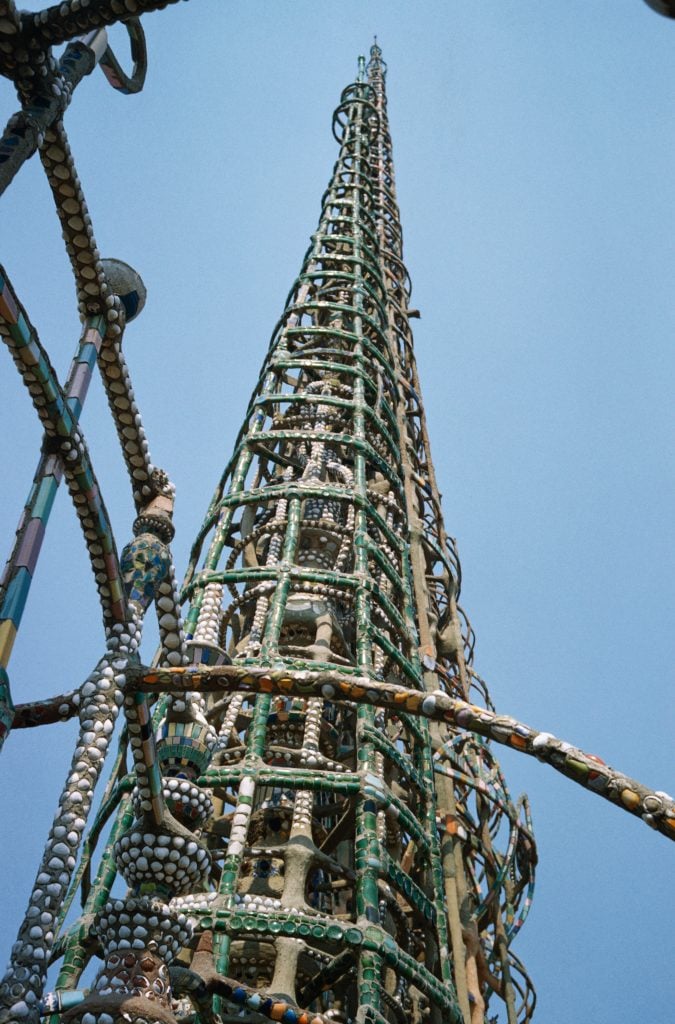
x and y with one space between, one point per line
136 924
161 861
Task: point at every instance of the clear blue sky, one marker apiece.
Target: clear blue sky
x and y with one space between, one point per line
535 156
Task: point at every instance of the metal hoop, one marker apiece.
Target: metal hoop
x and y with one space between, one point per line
112 69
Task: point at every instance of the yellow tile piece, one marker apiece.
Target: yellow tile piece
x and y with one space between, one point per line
7 638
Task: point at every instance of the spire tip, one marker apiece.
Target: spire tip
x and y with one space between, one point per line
376 64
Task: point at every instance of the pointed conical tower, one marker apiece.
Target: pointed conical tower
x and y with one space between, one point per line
318 855
309 853
360 839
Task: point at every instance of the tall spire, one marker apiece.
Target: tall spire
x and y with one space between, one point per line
313 848
328 553
309 550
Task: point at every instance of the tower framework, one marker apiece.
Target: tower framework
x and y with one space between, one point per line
312 825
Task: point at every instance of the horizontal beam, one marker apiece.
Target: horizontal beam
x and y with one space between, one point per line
656 808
